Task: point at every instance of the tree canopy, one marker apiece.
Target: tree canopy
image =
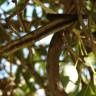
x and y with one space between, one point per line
47 47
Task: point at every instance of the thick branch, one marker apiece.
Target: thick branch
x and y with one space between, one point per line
29 39
54 52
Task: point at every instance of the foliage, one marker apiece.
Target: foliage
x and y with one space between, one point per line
27 65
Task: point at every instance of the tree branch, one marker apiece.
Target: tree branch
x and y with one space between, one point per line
54 52
36 35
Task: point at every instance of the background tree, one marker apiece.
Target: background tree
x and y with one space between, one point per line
28 66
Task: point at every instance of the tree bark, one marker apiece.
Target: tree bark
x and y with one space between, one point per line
54 52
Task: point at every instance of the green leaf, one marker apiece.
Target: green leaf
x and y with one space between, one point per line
27 77
18 75
64 80
34 13
2 1
87 91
